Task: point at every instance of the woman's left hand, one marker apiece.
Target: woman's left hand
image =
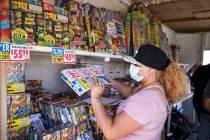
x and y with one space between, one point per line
97 90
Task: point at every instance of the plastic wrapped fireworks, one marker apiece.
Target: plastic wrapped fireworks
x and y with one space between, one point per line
19 108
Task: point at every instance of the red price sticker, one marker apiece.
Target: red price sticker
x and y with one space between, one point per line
20 53
69 57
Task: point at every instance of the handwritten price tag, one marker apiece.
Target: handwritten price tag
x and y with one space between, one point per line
19 53
69 57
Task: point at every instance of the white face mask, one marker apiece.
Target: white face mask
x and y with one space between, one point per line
134 73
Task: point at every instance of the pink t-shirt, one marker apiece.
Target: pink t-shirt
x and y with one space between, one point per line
149 108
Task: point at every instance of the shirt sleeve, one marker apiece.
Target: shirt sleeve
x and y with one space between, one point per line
139 108
207 90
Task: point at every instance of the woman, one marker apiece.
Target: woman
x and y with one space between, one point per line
142 115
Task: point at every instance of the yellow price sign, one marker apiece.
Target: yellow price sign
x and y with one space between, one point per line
18 123
15 88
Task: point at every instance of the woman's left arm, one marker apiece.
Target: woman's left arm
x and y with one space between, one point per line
113 128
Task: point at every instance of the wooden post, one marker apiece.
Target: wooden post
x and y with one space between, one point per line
3 102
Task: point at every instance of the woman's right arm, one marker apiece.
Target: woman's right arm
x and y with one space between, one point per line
124 90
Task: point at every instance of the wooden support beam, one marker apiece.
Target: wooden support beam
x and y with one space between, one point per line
185 20
137 2
3 102
189 30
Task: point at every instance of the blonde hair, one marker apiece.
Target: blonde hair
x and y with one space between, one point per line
174 81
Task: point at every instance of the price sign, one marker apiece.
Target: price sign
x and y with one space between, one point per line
19 53
4 52
57 55
69 57
63 56
18 123
12 52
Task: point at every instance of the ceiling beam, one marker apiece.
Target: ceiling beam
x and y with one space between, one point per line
150 3
185 19
191 30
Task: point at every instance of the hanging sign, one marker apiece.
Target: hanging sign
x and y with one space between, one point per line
14 53
63 56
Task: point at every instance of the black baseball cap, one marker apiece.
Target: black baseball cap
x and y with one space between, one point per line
151 56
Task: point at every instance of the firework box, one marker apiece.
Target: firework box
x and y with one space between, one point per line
76 28
23 21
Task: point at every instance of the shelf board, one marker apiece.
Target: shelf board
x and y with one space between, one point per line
43 49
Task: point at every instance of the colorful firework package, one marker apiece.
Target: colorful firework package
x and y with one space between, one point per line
98 29
114 31
23 21
50 20
40 30
146 28
95 27
4 21
56 23
143 28
61 28
61 118
127 31
15 78
157 31
76 29
136 30
19 108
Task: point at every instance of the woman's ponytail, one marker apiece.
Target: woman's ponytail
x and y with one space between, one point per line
174 80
